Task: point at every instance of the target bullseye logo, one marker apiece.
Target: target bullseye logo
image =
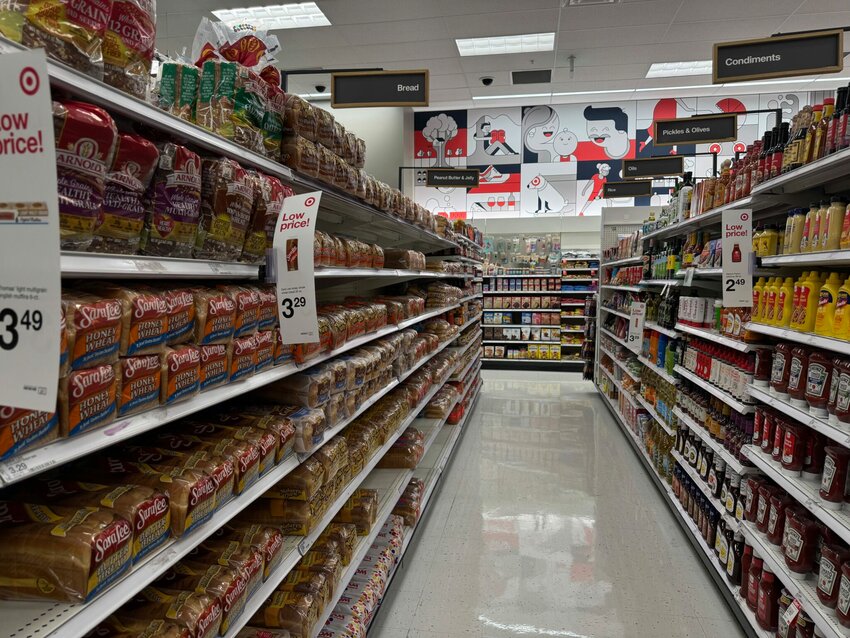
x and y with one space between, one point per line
29 80
536 181
744 217
310 201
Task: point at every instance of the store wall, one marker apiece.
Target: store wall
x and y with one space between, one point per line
576 232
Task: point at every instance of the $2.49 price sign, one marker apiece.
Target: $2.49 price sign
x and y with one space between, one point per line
737 229
293 268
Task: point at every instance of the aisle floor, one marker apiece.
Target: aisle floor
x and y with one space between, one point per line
549 526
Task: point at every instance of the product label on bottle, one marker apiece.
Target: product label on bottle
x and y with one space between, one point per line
771 520
842 401
796 371
712 481
761 510
828 475
827 576
844 595
793 544
788 446
730 502
816 381
778 368
739 511
730 563
737 250
724 550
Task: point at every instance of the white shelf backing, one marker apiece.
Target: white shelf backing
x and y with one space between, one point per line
731 522
85 265
839 433
710 335
816 341
728 399
718 448
664 425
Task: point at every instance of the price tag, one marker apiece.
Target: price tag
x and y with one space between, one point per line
637 315
790 615
689 276
737 258
29 239
293 268
304 546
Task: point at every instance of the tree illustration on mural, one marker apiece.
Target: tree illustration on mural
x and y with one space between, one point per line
439 130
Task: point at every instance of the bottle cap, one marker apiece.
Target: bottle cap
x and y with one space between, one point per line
837 198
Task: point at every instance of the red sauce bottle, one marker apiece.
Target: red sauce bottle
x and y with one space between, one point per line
754 581
797 377
753 484
842 400
813 467
842 607
818 380
780 369
833 485
776 517
832 556
782 629
778 440
763 367
800 543
767 611
833 390
746 563
768 431
766 491
793 449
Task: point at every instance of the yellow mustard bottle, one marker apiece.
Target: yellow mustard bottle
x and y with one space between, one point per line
758 291
818 227
772 293
798 221
831 237
798 287
784 303
827 300
805 246
786 234
769 242
841 319
809 302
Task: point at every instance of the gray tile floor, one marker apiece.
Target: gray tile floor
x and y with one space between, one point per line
547 525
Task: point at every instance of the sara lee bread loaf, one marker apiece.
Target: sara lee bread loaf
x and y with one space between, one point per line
128 45
200 614
247 300
244 558
300 117
265 350
267 309
144 317
87 549
303 581
302 483
215 316
242 352
93 328
338 538
119 228
264 440
361 510
215 365
310 388
173 203
294 612
145 508
227 584
265 539
181 374
333 456
280 426
283 353
227 200
25 429
322 563
87 399
180 304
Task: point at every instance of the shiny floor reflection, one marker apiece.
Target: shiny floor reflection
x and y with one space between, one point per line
547 525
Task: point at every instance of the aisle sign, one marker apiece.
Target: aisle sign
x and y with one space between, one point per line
778 57
737 258
379 88
30 282
453 177
696 130
293 268
637 315
654 167
635 188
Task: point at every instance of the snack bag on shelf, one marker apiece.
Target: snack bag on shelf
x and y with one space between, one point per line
128 45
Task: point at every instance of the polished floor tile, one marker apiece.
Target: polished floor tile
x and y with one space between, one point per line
546 524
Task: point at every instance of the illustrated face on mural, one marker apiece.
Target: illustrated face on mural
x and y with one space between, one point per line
565 143
540 123
608 127
604 169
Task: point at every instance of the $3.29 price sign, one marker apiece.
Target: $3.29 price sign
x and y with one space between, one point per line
637 315
289 305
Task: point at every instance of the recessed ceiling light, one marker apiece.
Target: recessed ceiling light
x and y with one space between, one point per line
497 45
297 15
507 97
672 69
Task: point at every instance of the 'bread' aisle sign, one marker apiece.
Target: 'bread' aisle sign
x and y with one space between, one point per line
293 268
30 281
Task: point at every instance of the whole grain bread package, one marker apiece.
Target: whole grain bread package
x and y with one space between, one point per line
119 229
67 31
85 143
294 612
272 127
301 154
215 316
128 45
227 200
302 484
300 118
268 198
87 549
177 89
199 613
306 582
140 384
243 358
232 103
25 429
215 364
181 374
87 399
172 203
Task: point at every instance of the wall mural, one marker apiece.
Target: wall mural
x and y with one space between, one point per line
554 160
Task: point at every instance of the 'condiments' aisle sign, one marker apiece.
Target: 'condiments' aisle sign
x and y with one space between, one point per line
779 57
293 264
30 282
637 315
737 258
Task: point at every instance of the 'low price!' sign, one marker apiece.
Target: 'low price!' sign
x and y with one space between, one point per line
737 258
637 316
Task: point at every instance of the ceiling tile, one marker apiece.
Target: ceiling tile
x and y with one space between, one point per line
822 6
805 21
391 32
508 23
451 81
622 36
722 30
601 17
732 9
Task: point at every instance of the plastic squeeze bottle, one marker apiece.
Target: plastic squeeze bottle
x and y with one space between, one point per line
772 290
818 227
784 303
827 300
831 236
809 302
758 291
798 288
798 222
805 246
841 318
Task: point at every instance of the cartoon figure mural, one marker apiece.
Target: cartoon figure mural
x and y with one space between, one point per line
608 127
597 182
565 145
549 200
439 130
539 125
493 141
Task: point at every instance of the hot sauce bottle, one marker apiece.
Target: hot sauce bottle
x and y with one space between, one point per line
835 121
776 153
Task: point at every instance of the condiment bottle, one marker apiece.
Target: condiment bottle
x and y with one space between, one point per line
835 121
815 456
772 290
818 380
831 236
785 303
779 502
758 291
808 226
832 556
823 128
793 449
780 369
766 491
794 156
842 400
733 561
761 374
800 543
797 217
778 439
842 135
818 227
833 389
833 484
767 611
782 628
827 302
746 563
776 155
805 626
841 316
797 378
768 432
842 607
809 143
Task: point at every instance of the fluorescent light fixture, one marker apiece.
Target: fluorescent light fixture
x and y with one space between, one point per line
508 97
297 15
497 45
673 69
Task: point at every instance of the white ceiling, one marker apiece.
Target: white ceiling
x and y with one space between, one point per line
613 45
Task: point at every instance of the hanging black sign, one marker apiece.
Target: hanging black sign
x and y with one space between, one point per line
779 57
654 167
379 88
636 188
696 130
453 177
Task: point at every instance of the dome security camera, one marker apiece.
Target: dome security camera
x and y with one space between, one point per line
321 88
486 80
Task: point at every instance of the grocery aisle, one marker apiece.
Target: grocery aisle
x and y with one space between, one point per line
547 525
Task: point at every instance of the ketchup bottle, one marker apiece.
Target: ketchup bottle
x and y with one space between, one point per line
767 612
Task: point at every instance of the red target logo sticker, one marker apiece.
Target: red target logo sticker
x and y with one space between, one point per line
29 80
536 181
310 201
745 216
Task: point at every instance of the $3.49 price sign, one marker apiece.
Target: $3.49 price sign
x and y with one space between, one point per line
637 316
11 326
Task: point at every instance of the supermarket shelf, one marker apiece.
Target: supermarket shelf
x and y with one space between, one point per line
567 316
461 375
708 218
624 262
700 273
824 258
817 175
661 372
573 330
469 322
517 325
465 299
605 331
664 425
702 433
628 396
84 265
572 345
731 522
803 590
460 258
619 313
572 305
835 345
805 492
568 279
389 273
535 276
621 364
839 433
547 343
535 361
659 282
563 270
521 293
624 288
583 291
522 310
465 241
665 331
728 399
710 335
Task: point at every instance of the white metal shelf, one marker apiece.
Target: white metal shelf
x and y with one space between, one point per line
839 433
659 282
84 265
710 335
821 258
572 330
623 288
389 273
568 316
619 313
545 361
728 399
522 293
623 262
605 331
563 270
588 291
621 364
468 298
657 417
661 372
701 273
816 341
470 321
573 279
522 310
658 328
699 430
548 343
817 174
517 325
534 276
575 304
708 218
731 522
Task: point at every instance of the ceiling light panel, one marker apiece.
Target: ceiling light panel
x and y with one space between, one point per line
298 15
498 45
673 69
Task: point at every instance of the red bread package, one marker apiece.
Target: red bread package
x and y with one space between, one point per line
265 349
140 384
93 328
87 399
181 374
267 312
215 364
25 429
119 229
243 358
180 304
128 45
85 143
247 300
215 315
